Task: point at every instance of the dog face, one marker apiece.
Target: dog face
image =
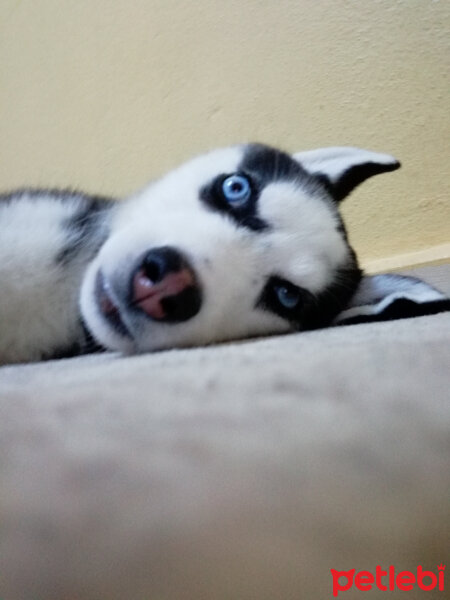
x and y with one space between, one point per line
243 241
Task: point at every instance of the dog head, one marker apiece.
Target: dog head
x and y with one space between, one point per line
243 241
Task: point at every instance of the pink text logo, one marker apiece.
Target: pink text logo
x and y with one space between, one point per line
388 580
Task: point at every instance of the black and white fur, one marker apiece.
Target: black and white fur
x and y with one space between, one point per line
64 254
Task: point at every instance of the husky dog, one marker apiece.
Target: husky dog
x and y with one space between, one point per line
243 241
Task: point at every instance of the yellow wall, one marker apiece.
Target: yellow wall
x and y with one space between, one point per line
106 94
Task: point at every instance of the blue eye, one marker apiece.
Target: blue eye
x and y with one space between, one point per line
236 190
288 297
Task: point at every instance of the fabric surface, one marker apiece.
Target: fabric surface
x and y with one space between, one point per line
240 471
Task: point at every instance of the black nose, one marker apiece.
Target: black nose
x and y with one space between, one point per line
165 287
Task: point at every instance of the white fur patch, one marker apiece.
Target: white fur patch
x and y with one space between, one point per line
38 301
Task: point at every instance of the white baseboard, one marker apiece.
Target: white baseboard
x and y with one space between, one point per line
431 256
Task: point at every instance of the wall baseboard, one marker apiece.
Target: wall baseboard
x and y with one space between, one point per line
435 255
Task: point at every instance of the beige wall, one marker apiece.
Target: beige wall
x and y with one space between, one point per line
106 94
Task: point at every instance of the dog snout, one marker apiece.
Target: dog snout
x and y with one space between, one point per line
164 286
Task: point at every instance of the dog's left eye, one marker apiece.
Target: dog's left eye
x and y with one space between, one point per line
287 295
283 298
236 190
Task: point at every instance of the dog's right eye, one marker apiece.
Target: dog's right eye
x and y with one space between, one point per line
236 190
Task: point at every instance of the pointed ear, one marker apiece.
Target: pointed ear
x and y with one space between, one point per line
343 168
387 297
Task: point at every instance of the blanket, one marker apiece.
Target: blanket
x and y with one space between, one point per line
237 471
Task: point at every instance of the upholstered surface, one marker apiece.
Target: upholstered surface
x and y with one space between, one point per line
242 471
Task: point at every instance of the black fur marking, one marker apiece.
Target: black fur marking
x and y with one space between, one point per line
265 165
261 165
402 308
83 226
80 227
85 345
90 344
353 177
340 227
269 299
315 311
58 195
335 298
268 165
245 216
70 351
35 194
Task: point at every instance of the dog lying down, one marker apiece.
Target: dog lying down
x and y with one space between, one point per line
240 242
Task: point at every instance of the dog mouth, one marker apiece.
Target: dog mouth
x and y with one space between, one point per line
107 306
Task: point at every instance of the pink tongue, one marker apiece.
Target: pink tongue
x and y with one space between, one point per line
148 295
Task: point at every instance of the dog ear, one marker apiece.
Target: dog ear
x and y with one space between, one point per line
387 297
341 169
